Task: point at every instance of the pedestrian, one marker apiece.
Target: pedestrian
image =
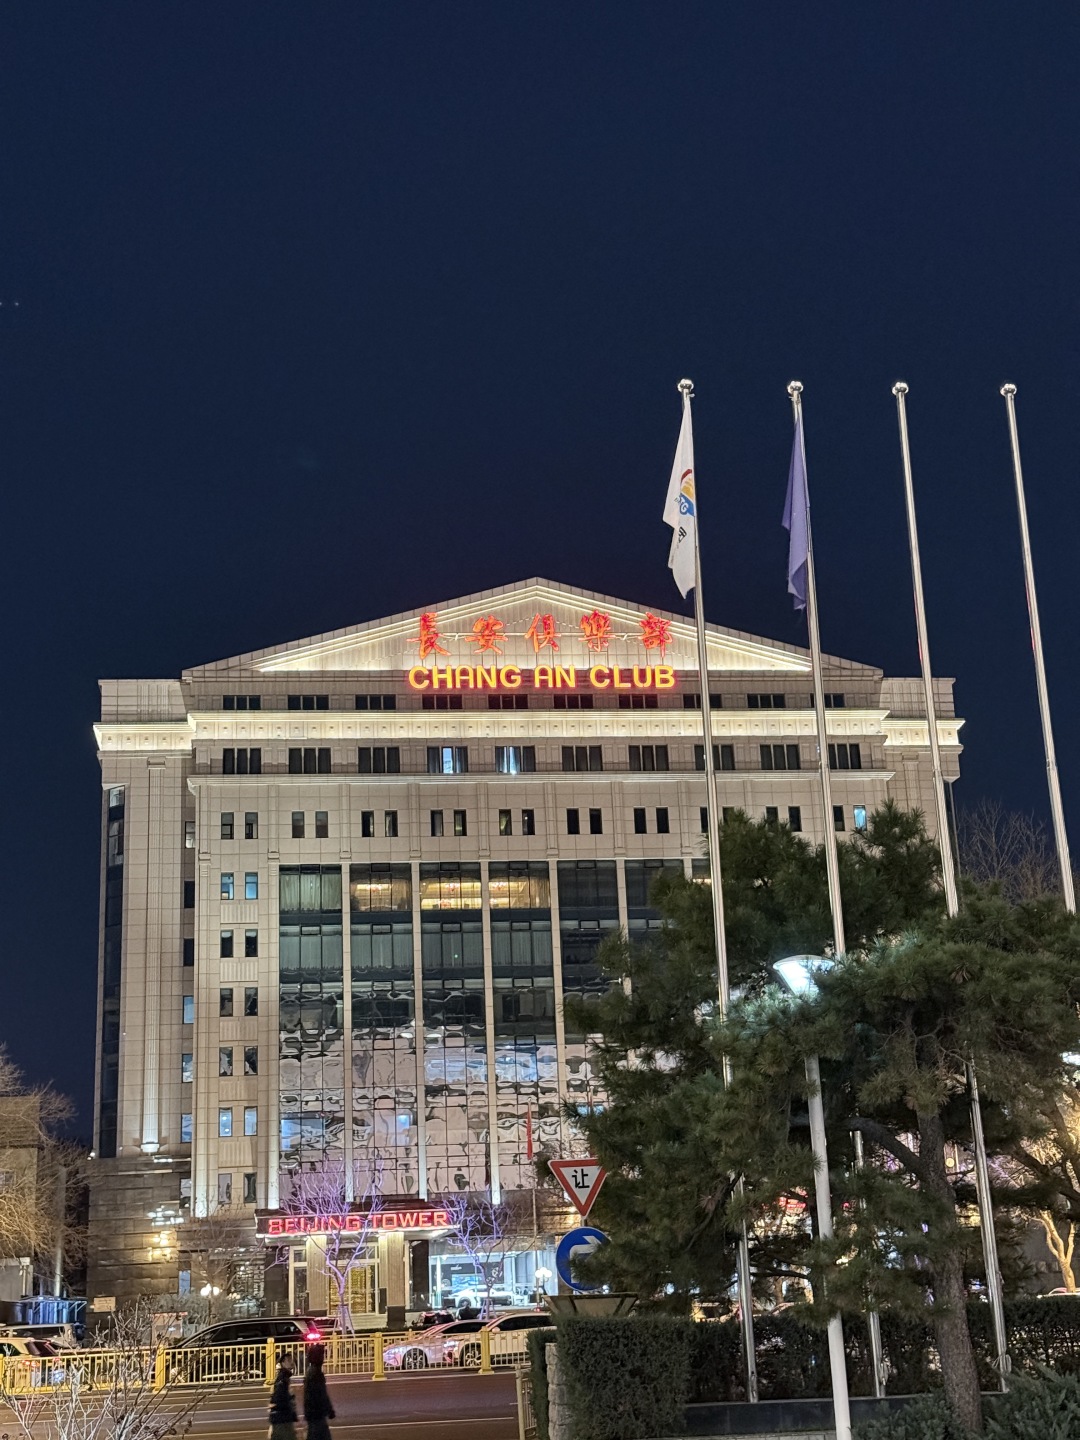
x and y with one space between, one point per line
317 1406
282 1405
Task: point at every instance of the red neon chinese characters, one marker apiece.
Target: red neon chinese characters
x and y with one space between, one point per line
655 633
428 639
596 630
542 632
487 633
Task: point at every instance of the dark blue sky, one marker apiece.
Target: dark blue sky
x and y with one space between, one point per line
330 311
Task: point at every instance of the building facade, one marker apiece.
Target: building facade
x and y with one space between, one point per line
346 882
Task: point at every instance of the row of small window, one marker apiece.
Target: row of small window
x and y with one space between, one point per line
225 1003
308 702
226 1069
794 817
229 888
227 944
437 820
691 701
225 1189
226 1131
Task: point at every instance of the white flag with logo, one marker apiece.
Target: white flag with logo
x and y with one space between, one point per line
680 510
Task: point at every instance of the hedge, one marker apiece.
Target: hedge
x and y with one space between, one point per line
537 1342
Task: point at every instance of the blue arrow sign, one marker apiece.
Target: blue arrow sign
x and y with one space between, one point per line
579 1244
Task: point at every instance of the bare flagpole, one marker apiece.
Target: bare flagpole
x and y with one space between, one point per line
1056 809
686 389
1002 1361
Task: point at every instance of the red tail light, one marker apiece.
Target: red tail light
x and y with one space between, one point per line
313 1335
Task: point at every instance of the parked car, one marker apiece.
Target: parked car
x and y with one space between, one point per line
507 1336
236 1348
37 1362
476 1297
437 1346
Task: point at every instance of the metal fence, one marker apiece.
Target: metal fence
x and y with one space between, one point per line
526 1415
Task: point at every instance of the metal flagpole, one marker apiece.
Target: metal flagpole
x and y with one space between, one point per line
1002 1361
1060 835
686 388
836 904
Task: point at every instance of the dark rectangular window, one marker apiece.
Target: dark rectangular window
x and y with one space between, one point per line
639 820
638 702
573 702
515 759
251 824
225 1001
460 823
441 702
838 817
251 944
376 702
228 761
779 757
251 1059
241 702
390 824
251 1000
189 894
794 817
772 815
508 702
596 822
436 823
309 702
528 822
298 824
226 825
448 759
582 757
367 824
250 1193
322 825
648 757
845 757
241 762
723 757
766 702
225 1061
506 822
188 951
378 760
662 825
226 942
703 819
573 822
692 701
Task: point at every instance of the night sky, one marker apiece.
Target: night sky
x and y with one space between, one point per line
314 313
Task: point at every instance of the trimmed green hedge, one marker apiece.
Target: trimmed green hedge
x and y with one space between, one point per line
626 1379
537 1341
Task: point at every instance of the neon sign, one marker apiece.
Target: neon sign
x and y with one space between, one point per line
544 677
350 1223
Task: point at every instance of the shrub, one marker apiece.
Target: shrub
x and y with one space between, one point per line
625 1379
1044 1407
927 1418
537 1341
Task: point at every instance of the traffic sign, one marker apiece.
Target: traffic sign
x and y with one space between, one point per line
581 1179
578 1245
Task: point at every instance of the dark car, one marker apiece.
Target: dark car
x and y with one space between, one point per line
237 1348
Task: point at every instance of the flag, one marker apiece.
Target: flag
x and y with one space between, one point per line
680 510
797 519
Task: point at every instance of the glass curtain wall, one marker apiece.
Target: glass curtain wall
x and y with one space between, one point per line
385 1135
312 1035
641 876
588 911
526 1070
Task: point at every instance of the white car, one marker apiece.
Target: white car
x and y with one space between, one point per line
437 1346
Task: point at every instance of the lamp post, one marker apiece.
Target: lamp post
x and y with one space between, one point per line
797 976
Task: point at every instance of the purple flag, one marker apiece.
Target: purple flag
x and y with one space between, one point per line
797 520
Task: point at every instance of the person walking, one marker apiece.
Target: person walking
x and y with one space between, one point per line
318 1408
282 1405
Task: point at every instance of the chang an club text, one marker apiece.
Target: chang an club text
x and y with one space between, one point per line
543 677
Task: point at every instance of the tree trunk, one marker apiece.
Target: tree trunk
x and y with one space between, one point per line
1061 1249
949 1315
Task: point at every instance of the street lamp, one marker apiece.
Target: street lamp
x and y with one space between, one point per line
797 975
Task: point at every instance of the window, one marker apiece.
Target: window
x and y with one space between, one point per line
515 759
794 817
596 822
298 824
508 702
573 702
638 702
189 834
833 701
460 823
376 702
189 894
723 757
187 1068
251 1000
185 1128
224 1122
308 702
441 702
692 701
390 824
226 885
188 951
226 942
226 825
766 702
448 759
860 817
573 822
582 757
225 1064
727 813
528 822
367 824
251 824
189 1009
225 1001
224 1188
779 757
251 885
838 817
241 762
436 823
506 822
251 944
639 820
251 1059
309 760
241 702
703 819
378 760
322 825
251 1120
662 825
648 757
250 1193
845 757
772 815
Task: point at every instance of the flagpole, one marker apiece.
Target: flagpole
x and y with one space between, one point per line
1056 809
987 1227
686 389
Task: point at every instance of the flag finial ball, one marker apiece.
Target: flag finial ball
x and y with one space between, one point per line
686 387
1008 389
794 387
900 388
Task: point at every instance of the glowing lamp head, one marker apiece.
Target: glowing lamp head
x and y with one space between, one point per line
798 973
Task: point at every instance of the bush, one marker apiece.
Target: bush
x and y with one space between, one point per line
927 1418
536 1342
626 1379
1046 1407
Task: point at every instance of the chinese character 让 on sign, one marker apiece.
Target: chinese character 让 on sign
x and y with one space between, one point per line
428 638
596 630
542 632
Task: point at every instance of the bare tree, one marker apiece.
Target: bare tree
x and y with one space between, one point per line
331 1191
1009 848
1052 1160
483 1228
224 1255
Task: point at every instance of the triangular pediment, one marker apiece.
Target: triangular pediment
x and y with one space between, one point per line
585 627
